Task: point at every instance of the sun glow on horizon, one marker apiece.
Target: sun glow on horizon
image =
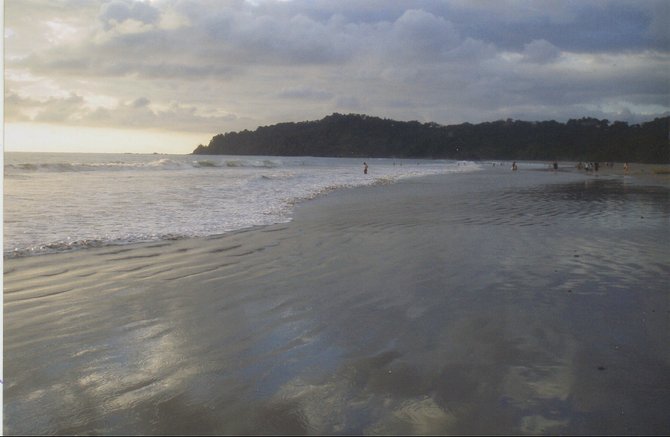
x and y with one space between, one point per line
34 137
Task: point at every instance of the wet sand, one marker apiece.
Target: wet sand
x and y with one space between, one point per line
498 302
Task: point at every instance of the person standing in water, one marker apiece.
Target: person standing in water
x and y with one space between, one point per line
365 168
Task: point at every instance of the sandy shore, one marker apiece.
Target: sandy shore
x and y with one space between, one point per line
647 173
498 302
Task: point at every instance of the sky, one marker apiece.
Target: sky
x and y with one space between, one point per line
166 75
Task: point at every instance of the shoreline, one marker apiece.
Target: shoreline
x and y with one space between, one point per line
229 194
643 174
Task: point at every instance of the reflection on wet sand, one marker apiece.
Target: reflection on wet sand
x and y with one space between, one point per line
494 303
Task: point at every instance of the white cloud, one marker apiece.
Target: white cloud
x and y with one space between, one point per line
60 31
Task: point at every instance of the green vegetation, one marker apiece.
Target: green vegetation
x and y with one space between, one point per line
353 135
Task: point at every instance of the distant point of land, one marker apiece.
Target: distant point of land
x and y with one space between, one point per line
355 135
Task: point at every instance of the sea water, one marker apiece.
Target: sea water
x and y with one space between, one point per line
63 201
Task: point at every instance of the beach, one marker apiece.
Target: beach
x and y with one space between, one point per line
488 302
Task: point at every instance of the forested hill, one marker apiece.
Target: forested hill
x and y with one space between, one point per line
338 135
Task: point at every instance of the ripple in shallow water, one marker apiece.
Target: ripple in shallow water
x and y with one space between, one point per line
604 202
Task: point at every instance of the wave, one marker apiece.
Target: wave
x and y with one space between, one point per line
266 163
67 246
247 198
68 167
205 163
159 164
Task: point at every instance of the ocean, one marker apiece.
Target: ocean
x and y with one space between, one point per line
63 201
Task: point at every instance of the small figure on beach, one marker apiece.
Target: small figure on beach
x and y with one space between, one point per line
555 165
514 167
625 168
365 168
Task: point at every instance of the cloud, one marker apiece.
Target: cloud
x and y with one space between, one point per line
235 36
139 113
540 51
421 33
140 102
576 26
307 93
229 39
211 65
348 103
117 12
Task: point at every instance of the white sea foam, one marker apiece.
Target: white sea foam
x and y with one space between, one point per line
57 202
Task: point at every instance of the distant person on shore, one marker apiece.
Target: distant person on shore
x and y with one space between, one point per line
625 168
365 168
514 167
555 165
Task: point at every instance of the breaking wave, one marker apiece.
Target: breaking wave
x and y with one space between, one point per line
58 203
159 164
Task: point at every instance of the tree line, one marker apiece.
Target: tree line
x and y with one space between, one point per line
355 135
